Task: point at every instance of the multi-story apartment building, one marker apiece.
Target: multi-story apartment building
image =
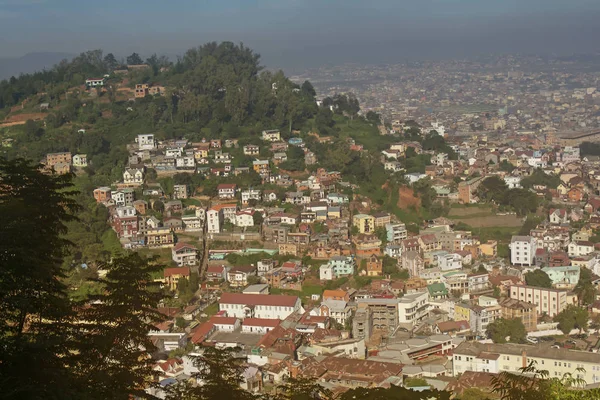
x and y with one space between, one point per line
522 310
375 315
522 250
365 223
396 232
413 308
547 301
496 358
102 194
55 158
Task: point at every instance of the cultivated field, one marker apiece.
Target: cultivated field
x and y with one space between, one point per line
482 217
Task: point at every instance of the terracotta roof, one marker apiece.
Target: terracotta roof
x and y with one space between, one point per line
182 245
218 320
261 322
215 269
185 271
258 299
450 326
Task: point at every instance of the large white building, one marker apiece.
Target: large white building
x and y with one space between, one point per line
496 358
267 306
522 250
548 301
413 308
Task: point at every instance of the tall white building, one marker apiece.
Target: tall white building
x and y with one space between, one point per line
522 250
413 308
214 220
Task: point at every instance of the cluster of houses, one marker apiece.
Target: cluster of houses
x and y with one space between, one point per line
64 162
348 337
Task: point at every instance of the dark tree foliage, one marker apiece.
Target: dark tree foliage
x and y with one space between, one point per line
36 316
538 278
502 328
394 393
220 371
589 149
572 317
301 389
134 59
114 352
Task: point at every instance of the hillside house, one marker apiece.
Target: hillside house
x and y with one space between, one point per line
184 254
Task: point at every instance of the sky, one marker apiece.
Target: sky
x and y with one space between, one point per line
303 32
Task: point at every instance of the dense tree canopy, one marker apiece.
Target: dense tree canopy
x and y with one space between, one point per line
502 328
538 278
572 317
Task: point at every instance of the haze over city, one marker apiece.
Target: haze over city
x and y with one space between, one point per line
296 33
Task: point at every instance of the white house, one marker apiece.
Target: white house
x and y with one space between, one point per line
414 177
558 216
146 142
339 310
450 261
214 220
393 166
80 160
187 162
580 248
126 211
522 250
272 135
513 182
227 190
270 306
244 218
250 194
251 150
265 266
133 176
184 254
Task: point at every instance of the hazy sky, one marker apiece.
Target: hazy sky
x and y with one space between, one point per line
287 32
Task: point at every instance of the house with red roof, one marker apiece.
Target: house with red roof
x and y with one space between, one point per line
184 254
216 273
227 190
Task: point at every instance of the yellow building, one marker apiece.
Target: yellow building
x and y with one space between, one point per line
462 312
365 223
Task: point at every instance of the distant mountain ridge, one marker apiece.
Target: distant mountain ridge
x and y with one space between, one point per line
30 62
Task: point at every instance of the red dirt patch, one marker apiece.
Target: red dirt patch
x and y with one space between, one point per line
407 198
